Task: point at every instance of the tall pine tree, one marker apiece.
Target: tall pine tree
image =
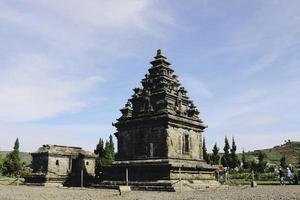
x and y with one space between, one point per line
205 154
244 161
12 164
109 153
261 161
99 151
283 163
100 148
234 158
215 157
111 147
226 159
105 154
1 163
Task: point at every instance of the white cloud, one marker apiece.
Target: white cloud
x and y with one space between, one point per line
98 15
264 62
263 140
249 96
33 136
32 88
197 87
36 85
55 55
259 119
256 106
79 29
114 13
229 110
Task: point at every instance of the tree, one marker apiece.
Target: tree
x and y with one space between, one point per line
12 162
1 163
99 151
283 163
100 148
109 153
17 145
111 147
215 157
244 161
253 165
205 154
105 153
261 161
226 159
234 159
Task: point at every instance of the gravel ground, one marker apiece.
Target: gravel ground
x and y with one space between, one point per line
41 193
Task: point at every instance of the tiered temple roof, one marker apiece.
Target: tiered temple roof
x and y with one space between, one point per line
62 150
161 93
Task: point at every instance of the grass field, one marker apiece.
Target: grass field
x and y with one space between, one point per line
291 150
10 181
247 182
25 157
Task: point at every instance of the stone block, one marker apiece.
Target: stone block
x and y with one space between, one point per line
124 189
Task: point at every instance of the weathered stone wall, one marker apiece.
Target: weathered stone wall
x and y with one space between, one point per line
39 163
142 142
191 175
89 164
62 167
176 143
157 142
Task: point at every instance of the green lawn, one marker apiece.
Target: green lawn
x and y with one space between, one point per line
10 181
247 182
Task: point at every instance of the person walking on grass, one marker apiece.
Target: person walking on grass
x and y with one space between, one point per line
281 176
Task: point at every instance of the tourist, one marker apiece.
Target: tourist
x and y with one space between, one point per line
281 176
298 170
289 175
226 174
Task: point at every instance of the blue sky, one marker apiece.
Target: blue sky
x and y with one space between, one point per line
68 66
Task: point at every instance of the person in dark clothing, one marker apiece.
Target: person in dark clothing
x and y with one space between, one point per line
298 170
281 176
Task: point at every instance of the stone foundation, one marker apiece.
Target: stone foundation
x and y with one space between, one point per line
160 174
44 180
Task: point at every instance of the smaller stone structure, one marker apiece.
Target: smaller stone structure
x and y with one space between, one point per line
55 165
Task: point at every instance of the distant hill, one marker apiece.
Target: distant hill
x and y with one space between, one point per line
25 157
291 150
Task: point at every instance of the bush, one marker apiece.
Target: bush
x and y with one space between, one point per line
270 176
25 171
267 176
240 175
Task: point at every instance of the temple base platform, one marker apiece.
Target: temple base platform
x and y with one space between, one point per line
160 175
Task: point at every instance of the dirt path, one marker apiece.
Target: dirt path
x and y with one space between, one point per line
233 193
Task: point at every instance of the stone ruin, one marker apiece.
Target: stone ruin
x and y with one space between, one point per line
160 136
55 165
159 142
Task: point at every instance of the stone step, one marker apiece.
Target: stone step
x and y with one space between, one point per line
139 186
138 183
154 188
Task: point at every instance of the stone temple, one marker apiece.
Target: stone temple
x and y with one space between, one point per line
57 165
160 135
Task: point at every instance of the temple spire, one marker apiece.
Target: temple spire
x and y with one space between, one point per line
160 54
